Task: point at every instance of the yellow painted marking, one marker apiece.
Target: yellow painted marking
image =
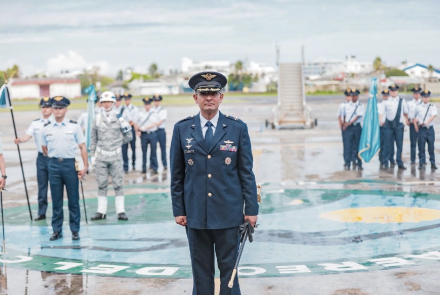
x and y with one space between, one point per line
296 202
382 215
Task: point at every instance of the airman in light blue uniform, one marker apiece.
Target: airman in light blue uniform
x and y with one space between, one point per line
353 116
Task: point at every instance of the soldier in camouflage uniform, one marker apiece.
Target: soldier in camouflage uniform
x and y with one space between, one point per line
109 132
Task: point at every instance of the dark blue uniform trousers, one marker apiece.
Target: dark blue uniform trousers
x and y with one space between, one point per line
162 138
426 135
391 135
132 144
62 173
43 180
413 135
352 139
343 143
203 243
151 139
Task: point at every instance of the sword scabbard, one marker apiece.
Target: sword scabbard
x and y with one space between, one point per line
231 282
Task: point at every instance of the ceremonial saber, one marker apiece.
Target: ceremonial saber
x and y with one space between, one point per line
3 220
18 147
240 251
82 191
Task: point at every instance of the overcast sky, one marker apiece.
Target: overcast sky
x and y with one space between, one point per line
73 34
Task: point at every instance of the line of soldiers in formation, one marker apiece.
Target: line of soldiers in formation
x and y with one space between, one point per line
113 130
393 112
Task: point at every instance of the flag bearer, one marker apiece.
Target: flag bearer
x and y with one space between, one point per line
424 116
59 140
34 130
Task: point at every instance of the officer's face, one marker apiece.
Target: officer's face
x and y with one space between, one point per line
157 103
118 103
416 95
127 101
147 107
208 101
393 93
107 104
426 99
348 98
46 111
385 97
59 113
354 98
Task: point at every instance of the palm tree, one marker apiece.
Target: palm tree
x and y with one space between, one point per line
152 70
431 70
377 64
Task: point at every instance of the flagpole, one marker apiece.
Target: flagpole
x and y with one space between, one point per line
18 148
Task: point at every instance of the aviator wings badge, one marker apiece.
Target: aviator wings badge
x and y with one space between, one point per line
209 76
188 141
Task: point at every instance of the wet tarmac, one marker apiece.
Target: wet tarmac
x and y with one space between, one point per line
323 230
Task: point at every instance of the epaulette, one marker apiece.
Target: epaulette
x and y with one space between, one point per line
233 118
37 120
71 121
186 119
46 124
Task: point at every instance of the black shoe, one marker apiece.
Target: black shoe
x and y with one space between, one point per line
360 168
165 168
392 165
122 216
40 217
413 163
347 167
154 172
56 235
433 167
98 216
402 167
134 169
126 171
75 235
421 167
144 171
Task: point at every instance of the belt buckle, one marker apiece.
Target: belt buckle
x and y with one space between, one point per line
60 159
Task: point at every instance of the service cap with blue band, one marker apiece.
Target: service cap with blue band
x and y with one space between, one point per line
393 87
147 100
416 90
118 97
60 101
46 102
157 97
347 92
127 96
386 92
207 81
355 92
425 93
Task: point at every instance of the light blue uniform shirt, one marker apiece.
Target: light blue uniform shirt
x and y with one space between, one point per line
62 139
424 112
352 110
130 113
35 130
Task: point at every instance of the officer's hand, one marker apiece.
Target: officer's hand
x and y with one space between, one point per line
252 219
181 220
138 134
17 141
2 182
82 173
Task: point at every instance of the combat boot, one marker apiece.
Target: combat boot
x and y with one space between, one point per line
98 216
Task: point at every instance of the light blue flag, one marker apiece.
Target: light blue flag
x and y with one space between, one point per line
369 145
4 97
90 115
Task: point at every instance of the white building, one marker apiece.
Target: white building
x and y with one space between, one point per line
41 87
163 86
188 65
421 71
336 67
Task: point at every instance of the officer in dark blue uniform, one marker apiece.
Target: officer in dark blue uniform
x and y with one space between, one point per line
59 140
34 130
213 187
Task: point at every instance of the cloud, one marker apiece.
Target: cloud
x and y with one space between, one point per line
73 61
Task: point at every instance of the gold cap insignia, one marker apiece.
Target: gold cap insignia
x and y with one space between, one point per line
126 94
386 91
58 98
394 86
426 91
416 88
353 90
46 98
209 76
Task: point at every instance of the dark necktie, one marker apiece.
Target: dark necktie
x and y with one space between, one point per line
208 135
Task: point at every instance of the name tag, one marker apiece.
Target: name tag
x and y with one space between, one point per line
188 151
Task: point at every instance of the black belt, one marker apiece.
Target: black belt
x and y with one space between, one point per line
62 159
147 132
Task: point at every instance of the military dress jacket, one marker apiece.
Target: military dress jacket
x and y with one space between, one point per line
212 186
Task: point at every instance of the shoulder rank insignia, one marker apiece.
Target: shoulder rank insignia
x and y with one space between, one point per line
37 120
209 76
71 121
185 119
46 124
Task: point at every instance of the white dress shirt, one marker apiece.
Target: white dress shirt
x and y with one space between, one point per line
352 110
391 105
35 130
162 114
412 105
424 112
214 122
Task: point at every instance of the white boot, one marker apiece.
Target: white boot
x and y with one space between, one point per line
102 205
119 204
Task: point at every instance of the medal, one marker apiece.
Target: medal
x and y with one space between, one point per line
228 161
190 162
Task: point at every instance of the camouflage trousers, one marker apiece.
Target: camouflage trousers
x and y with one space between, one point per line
106 167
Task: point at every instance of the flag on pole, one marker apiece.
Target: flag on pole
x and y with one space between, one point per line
4 97
369 144
90 115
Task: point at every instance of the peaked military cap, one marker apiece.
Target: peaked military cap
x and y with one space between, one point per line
157 97
425 93
60 101
386 92
46 102
416 90
393 87
147 100
118 97
207 81
127 95
354 92
347 92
